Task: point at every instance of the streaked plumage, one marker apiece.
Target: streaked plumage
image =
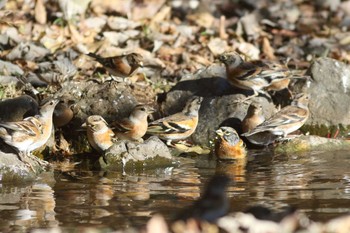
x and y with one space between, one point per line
228 144
21 134
45 118
288 120
135 126
178 126
121 66
31 133
253 75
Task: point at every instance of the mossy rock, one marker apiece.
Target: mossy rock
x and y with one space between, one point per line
12 170
326 131
312 143
127 155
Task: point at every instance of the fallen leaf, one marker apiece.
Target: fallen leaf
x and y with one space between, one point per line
40 12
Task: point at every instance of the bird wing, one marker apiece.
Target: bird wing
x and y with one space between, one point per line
272 71
124 125
26 127
177 123
246 71
287 116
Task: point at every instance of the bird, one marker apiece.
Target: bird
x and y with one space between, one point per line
287 120
178 126
62 114
253 75
121 66
228 144
99 135
212 204
16 109
21 135
31 133
46 119
253 118
134 127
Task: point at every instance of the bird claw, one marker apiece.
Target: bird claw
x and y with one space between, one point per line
40 162
287 138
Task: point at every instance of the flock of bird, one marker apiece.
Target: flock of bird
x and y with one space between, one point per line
260 76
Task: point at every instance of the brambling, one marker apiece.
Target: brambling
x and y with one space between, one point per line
212 204
177 126
31 133
62 114
21 135
121 66
253 118
45 118
135 126
287 120
253 75
99 135
228 144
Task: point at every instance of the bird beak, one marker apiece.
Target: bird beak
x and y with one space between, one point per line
141 64
151 110
219 132
83 125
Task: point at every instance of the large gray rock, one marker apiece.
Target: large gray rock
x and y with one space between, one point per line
125 154
218 107
330 93
111 100
15 171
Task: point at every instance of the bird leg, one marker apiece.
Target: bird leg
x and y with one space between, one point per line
244 100
21 156
288 138
256 94
41 163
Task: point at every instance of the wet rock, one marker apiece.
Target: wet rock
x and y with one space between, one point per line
16 109
15 171
312 143
151 153
218 107
330 93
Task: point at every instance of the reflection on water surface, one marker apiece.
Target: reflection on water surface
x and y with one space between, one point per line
317 183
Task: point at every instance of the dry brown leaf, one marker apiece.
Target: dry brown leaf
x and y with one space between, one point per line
203 19
146 10
267 49
40 12
163 13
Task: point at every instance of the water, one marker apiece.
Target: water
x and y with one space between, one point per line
317 183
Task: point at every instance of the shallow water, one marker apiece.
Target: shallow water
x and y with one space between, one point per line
317 183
